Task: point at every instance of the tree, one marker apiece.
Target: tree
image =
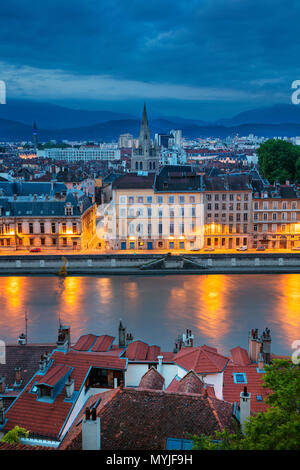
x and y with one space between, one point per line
276 429
14 435
277 160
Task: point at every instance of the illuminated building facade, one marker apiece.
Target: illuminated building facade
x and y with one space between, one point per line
162 212
227 202
45 216
276 217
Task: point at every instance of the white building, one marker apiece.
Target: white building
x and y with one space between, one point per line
104 152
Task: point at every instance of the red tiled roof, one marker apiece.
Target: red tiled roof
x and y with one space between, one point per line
85 342
47 419
82 361
103 343
152 380
232 391
173 386
190 383
146 418
210 391
18 446
153 352
54 375
201 359
137 350
240 356
40 418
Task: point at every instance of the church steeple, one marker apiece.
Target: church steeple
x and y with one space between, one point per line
144 137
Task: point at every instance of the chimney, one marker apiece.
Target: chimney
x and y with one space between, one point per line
70 387
18 379
159 365
64 338
266 345
261 363
91 430
122 335
2 384
2 416
42 364
254 345
22 340
244 407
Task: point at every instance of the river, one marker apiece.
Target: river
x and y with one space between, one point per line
219 309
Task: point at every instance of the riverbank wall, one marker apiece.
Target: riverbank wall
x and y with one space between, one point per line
150 264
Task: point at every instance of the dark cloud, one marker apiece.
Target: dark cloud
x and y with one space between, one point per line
233 44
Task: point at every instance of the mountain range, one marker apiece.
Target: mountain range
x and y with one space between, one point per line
58 123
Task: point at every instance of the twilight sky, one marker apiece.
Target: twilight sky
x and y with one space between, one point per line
203 59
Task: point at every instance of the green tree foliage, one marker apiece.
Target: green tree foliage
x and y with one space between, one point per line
276 429
279 160
15 435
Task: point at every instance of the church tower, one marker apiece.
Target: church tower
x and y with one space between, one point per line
146 156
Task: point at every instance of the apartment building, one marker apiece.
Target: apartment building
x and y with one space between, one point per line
85 154
227 208
156 212
276 217
44 215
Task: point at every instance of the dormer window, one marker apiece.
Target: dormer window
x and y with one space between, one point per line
69 210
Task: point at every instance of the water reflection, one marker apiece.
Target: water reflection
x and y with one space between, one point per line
288 308
219 309
203 300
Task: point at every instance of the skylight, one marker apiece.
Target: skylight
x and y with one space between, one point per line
240 378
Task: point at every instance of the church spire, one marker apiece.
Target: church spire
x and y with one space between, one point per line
144 137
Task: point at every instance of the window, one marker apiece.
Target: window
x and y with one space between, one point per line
149 212
172 212
69 210
149 199
160 199
64 242
216 197
53 228
209 206
30 227
122 212
171 229
181 199
160 229
216 207
122 199
265 216
19 228
240 378
140 199
223 197
208 197
42 227
74 225
192 199
171 199
284 205
64 228
42 241
130 200
259 398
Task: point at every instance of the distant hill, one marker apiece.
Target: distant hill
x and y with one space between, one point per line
110 130
277 114
52 116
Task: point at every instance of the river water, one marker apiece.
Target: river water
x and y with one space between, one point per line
219 309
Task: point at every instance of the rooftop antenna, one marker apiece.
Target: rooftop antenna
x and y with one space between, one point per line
26 325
